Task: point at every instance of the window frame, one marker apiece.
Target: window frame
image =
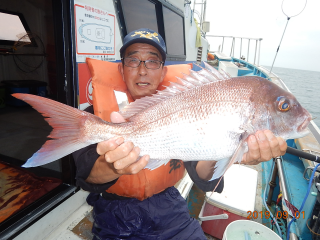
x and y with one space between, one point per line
25 25
159 4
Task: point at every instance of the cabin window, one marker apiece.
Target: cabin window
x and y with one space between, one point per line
173 27
135 17
12 28
157 15
29 54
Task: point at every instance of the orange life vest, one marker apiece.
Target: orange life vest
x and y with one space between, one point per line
105 79
210 56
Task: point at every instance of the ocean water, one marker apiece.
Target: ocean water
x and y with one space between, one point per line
305 86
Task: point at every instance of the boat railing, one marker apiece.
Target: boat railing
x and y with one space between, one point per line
233 46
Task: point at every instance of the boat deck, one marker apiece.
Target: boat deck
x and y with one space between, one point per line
76 223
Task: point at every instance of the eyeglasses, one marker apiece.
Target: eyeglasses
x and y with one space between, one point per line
134 63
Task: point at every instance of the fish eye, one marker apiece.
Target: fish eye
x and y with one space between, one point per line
283 104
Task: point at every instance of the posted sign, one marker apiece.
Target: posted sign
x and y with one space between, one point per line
95 33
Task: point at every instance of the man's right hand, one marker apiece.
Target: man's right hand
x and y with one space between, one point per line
122 156
116 158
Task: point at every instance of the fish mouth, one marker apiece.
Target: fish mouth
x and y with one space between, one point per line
305 124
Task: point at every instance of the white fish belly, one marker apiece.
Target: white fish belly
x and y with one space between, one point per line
189 139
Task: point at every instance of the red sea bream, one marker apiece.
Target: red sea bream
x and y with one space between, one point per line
207 116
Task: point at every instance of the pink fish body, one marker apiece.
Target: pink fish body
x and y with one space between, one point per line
208 116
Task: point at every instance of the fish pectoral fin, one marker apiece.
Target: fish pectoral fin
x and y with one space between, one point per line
220 168
241 149
222 165
247 128
155 163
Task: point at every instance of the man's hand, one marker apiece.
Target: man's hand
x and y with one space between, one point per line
262 146
121 156
116 158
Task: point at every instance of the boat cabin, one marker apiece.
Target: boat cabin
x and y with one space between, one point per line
43 51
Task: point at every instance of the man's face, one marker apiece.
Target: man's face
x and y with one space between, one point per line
141 81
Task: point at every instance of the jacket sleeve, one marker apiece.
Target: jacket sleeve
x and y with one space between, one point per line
84 159
205 186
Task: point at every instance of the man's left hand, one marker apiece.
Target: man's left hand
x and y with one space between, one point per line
262 146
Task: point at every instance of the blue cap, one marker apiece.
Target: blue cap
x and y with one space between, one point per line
144 35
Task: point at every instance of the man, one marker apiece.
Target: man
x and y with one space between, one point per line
110 167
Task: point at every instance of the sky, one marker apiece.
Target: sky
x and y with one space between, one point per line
300 47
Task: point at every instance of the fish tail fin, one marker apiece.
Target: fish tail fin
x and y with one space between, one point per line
66 122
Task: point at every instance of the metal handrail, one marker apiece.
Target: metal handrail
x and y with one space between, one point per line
257 50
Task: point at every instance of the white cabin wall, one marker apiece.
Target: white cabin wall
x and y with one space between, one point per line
191 34
205 49
37 18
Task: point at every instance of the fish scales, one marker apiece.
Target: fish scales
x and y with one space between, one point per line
180 127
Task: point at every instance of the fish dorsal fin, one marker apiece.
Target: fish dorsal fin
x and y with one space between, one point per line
188 81
215 75
143 103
